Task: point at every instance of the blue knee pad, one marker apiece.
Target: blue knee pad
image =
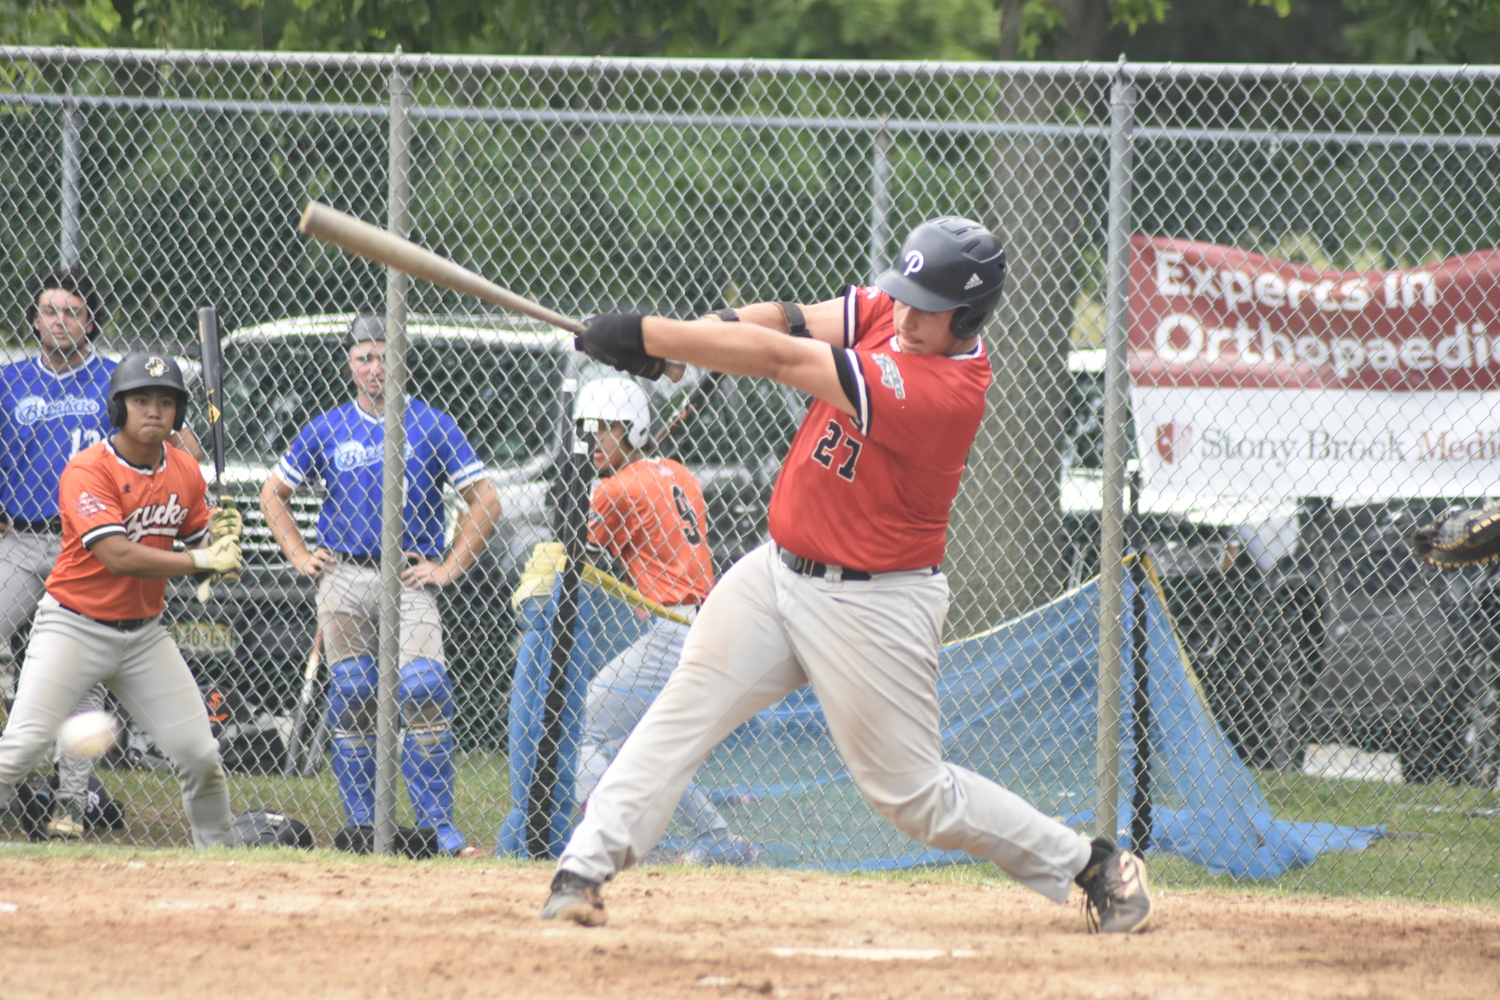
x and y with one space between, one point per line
427 763
351 721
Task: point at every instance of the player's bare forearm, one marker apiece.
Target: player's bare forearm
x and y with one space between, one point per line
275 504
824 320
123 557
757 351
475 527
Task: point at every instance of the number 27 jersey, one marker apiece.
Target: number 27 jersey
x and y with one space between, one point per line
873 491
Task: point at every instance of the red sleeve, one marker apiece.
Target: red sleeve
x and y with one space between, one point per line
89 501
865 313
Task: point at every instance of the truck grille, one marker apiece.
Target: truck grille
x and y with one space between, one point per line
257 545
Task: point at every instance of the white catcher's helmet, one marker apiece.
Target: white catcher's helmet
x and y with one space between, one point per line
612 399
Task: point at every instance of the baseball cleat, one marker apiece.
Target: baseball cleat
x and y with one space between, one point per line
63 826
720 847
575 898
1114 885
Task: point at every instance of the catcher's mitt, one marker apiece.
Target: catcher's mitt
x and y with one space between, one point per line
1460 538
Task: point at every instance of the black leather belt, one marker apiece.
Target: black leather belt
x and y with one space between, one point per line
119 624
807 567
369 562
47 526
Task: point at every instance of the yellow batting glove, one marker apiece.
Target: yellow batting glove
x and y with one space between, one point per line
223 556
540 574
224 523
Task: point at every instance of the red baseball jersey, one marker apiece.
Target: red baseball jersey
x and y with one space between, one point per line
873 491
651 516
102 494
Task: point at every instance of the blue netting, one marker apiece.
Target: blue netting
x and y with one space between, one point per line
1019 706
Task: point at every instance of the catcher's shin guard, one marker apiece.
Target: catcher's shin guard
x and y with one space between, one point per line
354 768
351 722
427 761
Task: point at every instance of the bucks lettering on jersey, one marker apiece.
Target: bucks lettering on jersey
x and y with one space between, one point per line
45 419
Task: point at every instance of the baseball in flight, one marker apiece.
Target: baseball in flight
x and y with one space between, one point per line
88 734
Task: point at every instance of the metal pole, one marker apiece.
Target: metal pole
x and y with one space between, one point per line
392 514
1116 413
72 124
880 202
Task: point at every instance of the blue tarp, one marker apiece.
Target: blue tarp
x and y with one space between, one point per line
1019 706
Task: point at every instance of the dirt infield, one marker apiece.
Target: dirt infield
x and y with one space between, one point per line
105 927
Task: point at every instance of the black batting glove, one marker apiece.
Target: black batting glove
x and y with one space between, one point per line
615 339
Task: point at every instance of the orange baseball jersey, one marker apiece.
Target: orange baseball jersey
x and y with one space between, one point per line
651 516
101 494
873 491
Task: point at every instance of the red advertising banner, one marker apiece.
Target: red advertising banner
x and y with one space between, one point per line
1208 315
1259 378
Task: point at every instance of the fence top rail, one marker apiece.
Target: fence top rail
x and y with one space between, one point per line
1138 72
890 126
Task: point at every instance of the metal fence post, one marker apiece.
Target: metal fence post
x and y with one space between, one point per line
392 520
880 202
68 244
1116 413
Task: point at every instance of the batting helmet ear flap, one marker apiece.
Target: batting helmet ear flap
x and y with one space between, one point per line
145 371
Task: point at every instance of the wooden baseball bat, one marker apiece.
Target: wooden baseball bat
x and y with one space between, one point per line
360 238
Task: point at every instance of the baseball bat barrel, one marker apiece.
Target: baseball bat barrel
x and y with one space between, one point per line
212 357
365 240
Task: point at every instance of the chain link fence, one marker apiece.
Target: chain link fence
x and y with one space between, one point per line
1249 331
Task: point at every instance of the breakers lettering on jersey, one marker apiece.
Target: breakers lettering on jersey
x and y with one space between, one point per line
345 449
46 418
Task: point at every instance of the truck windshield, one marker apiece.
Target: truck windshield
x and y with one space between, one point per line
504 397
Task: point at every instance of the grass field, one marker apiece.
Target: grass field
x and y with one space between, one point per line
1443 842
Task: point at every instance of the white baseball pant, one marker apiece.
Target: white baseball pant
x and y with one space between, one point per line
619 695
26 560
869 650
70 654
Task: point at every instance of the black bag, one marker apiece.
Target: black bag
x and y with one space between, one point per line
264 828
415 844
249 741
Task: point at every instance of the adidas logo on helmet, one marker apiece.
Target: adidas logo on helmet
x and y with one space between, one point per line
974 282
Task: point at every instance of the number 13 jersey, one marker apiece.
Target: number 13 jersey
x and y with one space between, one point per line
873 491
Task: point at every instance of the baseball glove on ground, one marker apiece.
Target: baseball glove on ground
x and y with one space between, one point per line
1460 538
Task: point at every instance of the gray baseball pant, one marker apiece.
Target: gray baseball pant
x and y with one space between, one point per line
869 649
26 560
68 655
619 695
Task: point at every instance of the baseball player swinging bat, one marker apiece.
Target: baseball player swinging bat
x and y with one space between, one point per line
364 240
212 356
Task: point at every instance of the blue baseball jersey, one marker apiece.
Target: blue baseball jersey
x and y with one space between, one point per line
45 419
345 448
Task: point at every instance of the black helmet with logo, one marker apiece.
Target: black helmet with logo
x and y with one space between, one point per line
146 371
949 263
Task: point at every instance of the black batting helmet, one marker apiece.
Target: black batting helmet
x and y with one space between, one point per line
145 371
71 281
949 263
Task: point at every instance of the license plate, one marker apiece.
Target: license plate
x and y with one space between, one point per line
204 638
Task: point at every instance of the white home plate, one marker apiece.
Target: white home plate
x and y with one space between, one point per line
874 954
